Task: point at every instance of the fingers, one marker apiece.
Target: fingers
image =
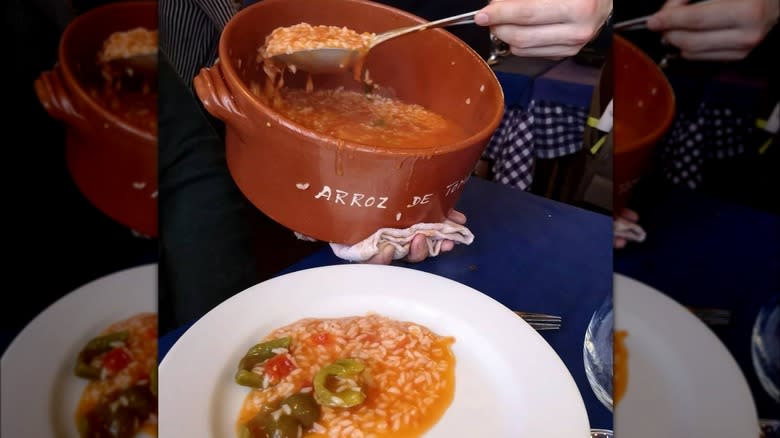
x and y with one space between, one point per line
550 52
728 40
716 30
706 41
383 257
716 55
712 14
530 37
418 250
457 217
545 28
526 12
674 3
629 215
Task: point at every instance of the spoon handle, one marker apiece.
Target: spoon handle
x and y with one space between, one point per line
466 18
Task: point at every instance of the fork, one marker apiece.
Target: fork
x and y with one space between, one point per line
540 321
711 316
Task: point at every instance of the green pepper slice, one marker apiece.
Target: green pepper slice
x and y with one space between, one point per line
283 427
248 378
118 419
94 348
347 368
257 355
303 412
303 408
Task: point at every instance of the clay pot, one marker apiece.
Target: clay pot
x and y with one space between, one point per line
644 108
113 163
339 191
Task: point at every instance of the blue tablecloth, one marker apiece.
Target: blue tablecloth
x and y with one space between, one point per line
517 88
530 253
567 83
705 252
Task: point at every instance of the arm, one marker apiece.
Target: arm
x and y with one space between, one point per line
190 32
207 239
218 11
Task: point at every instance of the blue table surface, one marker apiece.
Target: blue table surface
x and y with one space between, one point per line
564 83
529 253
702 251
568 83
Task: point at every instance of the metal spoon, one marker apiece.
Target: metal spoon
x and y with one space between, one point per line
334 60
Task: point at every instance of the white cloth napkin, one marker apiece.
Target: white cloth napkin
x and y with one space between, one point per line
630 231
401 240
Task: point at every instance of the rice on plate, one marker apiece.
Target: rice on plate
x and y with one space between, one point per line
360 376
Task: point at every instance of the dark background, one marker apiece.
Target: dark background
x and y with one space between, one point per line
55 239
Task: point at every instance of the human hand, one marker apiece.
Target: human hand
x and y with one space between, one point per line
544 28
722 30
629 216
418 250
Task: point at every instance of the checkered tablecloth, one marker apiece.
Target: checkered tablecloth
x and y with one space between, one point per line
708 133
542 130
715 124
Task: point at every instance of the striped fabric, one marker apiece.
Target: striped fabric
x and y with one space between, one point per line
189 32
190 29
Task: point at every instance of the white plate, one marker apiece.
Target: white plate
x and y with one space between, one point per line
509 381
682 381
39 390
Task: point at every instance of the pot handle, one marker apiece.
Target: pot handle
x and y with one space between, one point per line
55 98
212 90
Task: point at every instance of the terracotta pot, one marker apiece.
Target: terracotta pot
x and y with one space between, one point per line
644 108
339 191
113 163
